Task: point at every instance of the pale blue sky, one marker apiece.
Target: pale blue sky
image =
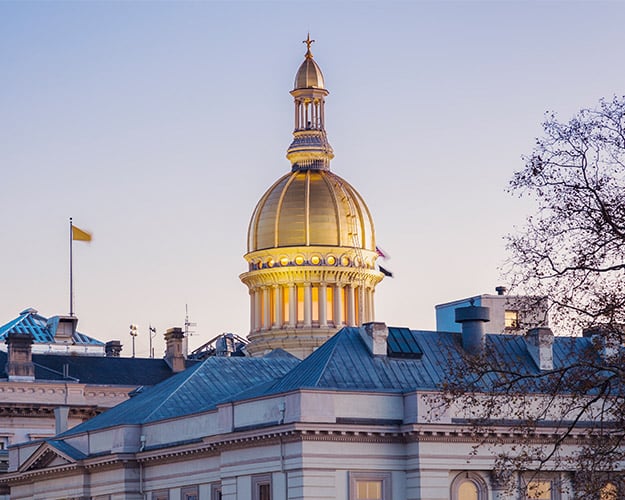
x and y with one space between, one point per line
158 126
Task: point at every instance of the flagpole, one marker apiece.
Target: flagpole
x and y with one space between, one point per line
71 271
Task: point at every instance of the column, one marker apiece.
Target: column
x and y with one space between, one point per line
307 305
371 304
252 311
351 306
296 115
292 305
266 308
277 305
323 299
338 306
257 309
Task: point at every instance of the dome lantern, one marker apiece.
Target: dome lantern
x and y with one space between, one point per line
310 148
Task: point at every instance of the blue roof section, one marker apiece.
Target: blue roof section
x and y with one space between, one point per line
342 363
66 449
98 370
345 363
30 321
197 389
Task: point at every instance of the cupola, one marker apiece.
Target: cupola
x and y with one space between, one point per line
311 240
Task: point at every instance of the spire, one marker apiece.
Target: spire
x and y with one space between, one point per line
308 43
310 148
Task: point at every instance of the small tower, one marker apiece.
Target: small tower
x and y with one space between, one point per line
311 240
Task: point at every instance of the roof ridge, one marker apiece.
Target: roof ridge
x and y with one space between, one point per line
328 357
13 323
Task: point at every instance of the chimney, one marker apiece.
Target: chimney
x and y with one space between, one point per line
375 336
605 338
539 342
173 349
61 414
472 319
501 290
62 328
113 348
20 365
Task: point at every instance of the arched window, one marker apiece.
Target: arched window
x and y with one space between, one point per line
469 486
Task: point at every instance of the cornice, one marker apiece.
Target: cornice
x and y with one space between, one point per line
47 410
299 432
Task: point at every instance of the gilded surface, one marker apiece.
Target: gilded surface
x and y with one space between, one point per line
311 207
309 76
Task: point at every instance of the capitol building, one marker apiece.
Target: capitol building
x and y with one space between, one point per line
324 400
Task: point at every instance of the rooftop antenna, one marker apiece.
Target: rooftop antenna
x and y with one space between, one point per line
187 330
152 334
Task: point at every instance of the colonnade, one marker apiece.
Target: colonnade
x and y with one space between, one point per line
309 114
310 305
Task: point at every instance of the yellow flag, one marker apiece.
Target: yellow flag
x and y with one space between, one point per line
80 235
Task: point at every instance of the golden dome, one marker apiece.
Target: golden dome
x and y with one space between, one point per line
309 75
311 208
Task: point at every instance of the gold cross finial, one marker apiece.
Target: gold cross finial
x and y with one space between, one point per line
308 43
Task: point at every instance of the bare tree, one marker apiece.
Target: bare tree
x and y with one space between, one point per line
570 416
572 250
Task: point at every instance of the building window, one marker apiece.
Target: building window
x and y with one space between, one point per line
541 488
261 487
216 491
315 304
469 486
190 493
511 319
160 495
300 305
369 486
609 492
330 304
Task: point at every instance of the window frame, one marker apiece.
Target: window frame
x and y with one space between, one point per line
515 322
356 476
554 480
261 480
216 491
190 491
470 477
160 495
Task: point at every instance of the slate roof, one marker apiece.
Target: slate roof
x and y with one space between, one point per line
30 321
195 390
342 363
66 449
98 370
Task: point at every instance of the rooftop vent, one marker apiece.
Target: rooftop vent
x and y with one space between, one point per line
472 319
